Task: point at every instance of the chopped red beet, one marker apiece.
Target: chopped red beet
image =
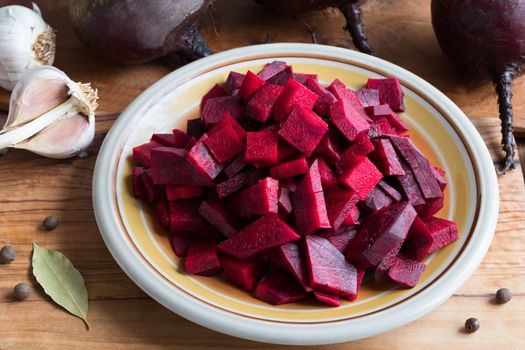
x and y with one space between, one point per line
289 168
250 85
224 143
167 140
384 111
327 298
195 128
216 107
227 119
261 105
139 191
390 92
232 185
152 190
234 82
291 258
303 129
285 203
353 217
406 272
263 234
339 204
362 177
329 149
348 120
235 166
328 179
180 242
169 166
378 199
142 153
439 174
340 238
244 274
215 91
285 151
443 232
341 92
200 157
202 259
162 212
326 98
293 94
184 215
368 97
380 127
303 77
362 146
262 148
218 215
270 70
259 199
385 158
176 192
278 289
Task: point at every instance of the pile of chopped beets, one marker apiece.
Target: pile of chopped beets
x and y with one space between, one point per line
289 189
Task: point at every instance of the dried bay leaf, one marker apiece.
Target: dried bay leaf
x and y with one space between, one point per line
61 281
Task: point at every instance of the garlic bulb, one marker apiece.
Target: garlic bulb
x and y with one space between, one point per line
49 114
26 41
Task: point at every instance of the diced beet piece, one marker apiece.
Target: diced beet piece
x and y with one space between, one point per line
244 274
169 166
309 204
294 93
362 176
368 97
216 107
152 191
195 128
285 203
232 185
391 191
390 92
202 259
360 276
162 213
328 179
326 98
341 238
262 148
385 158
387 262
270 128
348 120
378 199
409 186
418 241
261 105
406 272
224 143
272 69
385 111
259 199
303 129
215 91
184 215
341 92
431 207
290 168
181 138
362 146
138 187
328 269
263 234
291 258
439 174
339 204
383 231
176 192
303 77
218 215
278 289
227 119
250 85
327 298
180 242
282 77
285 151
167 140
202 160
329 149
443 232
142 153
235 166
234 82
191 142
423 171
353 217
290 184
380 127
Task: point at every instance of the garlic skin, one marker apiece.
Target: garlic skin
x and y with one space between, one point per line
26 41
50 115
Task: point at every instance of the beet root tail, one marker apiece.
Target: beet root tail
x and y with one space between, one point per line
354 24
503 82
192 46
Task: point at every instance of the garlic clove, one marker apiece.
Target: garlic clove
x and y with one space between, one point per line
40 90
26 41
63 139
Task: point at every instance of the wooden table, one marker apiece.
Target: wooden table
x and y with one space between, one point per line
121 315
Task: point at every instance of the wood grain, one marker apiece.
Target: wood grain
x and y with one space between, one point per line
121 315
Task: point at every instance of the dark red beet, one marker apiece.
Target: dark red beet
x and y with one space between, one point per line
259 199
329 149
162 213
244 274
406 272
293 94
303 77
171 167
360 276
235 166
250 85
234 82
362 146
309 204
278 289
282 77
228 120
215 91
443 232
327 298
385 158
348 120
202 259
409 186
328 269
184 215
224 143
215 108
176 192
218 215
285 203
328 179
289 168
262 148
368 97
152 190
203 162
167 140
142 153
384 230
138 188
233 185
353 217
195 128
326 98
263 234
272 69
261 105
180 242
390 92
380 127
378 199
362 176
339 204
384 111
489 36
340 238
291 258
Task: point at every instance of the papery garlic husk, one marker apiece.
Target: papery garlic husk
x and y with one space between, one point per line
26 41
50 114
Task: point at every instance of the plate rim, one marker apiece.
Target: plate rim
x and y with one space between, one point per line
298 334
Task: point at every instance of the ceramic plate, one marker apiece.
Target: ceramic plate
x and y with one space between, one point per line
438 128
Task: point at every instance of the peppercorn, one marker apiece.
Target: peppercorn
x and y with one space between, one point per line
21 291
50 223
7 254
503 295
471 325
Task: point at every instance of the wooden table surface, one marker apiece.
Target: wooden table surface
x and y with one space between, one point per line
121 315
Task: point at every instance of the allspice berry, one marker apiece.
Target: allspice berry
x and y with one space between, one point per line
471 325
503 295
7 254
21 291
50 223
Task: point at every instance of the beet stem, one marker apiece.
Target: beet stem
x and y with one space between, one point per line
192 46
354 24
312 30
503 81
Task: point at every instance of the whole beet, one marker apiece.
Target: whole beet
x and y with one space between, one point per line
349 8
138 31
486 36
